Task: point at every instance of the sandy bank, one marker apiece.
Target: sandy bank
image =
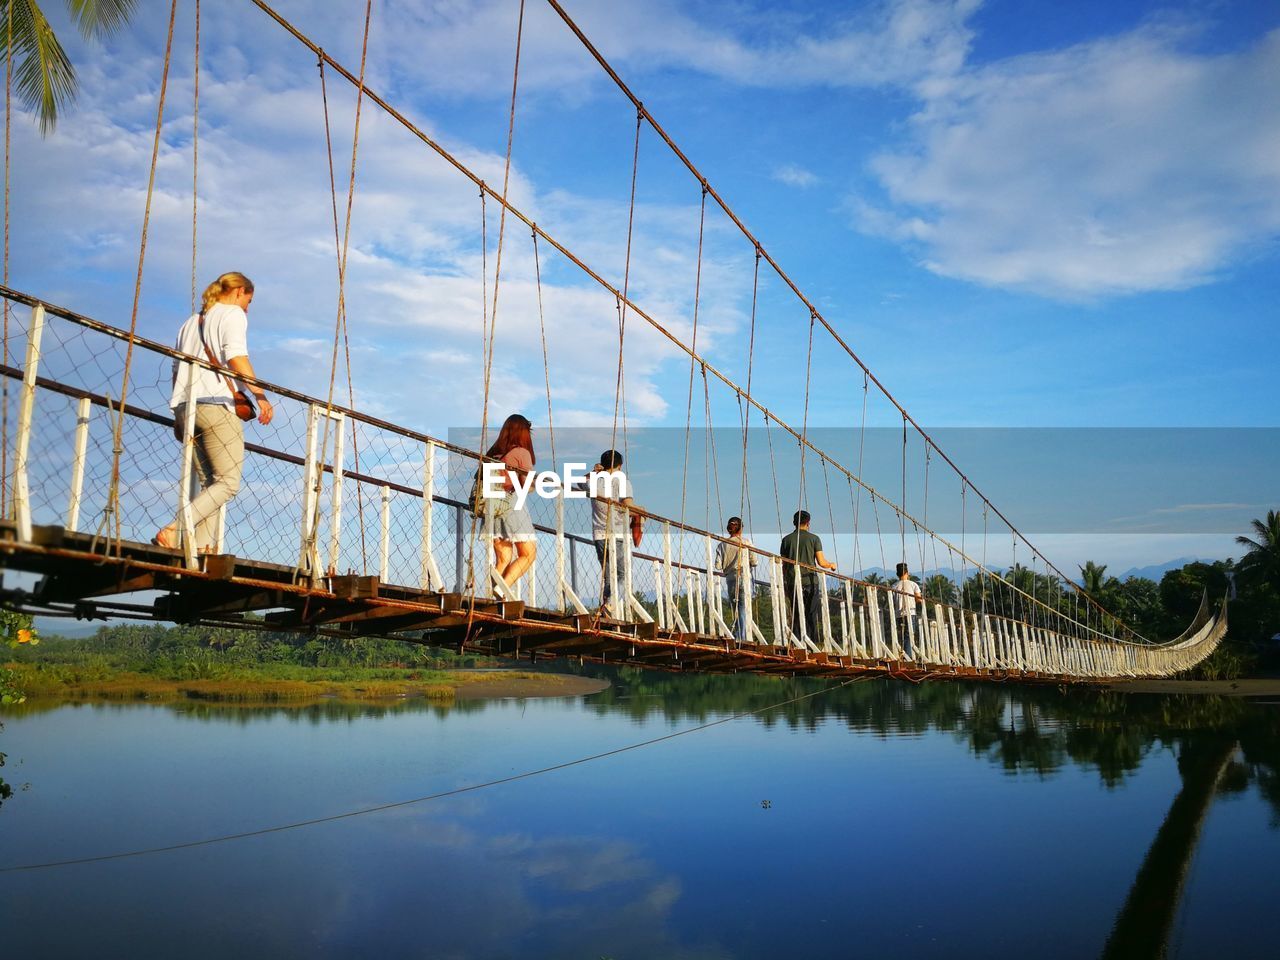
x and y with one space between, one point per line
1259 687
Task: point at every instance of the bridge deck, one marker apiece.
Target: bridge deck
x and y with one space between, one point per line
78 578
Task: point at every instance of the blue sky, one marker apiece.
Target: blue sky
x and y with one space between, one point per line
1025 214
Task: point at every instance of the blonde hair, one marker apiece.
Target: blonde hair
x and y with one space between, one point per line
215 291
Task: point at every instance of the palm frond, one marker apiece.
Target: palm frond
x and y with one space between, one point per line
44 78
97 18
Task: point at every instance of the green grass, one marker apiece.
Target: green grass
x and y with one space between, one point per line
269 683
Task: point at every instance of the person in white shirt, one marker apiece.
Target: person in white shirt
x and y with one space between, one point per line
609 523
906 595
218 334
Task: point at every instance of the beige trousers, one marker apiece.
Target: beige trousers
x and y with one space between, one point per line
219 446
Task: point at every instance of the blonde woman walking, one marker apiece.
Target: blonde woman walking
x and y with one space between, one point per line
218 334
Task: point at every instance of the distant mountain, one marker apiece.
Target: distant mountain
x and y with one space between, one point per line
1160 569
62 627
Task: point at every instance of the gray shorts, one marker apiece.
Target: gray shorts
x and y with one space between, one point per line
514 525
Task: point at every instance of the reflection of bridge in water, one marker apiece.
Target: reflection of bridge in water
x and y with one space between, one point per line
423 572
93 469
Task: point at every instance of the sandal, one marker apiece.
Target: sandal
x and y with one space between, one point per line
160 540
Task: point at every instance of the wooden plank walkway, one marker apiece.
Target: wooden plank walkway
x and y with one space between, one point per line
90 578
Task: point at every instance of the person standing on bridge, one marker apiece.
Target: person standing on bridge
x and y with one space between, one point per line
738 564
515 543
804 549
609 524
906 595
219 334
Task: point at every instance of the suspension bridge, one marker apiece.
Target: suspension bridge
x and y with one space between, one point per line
347 525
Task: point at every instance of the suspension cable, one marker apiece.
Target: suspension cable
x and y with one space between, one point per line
112 508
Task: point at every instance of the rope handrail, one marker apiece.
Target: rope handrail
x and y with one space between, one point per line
675 525
497 197
707 189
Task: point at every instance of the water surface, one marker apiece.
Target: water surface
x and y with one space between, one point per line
874 819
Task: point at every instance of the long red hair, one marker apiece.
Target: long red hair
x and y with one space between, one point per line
514 433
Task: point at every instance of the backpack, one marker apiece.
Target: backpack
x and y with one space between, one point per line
477 502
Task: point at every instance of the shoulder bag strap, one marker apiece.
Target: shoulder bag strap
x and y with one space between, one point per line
212 359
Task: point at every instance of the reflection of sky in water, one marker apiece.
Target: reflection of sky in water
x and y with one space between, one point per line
881 834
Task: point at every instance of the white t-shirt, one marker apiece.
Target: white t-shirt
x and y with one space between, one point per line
225 331
614 485
906 594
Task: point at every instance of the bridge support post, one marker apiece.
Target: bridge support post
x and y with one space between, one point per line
631 605
560 555
308 551
824 621
335 509
26 412
897 650
674 619
83 406
384 554
313 480
430 578
660 595
186 483
459 568
566 592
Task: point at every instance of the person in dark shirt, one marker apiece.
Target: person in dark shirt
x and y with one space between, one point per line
805 549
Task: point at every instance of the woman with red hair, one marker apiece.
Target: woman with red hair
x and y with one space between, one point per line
510 528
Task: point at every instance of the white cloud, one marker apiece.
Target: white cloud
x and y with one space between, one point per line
468 48
794 175
1121 165
413 292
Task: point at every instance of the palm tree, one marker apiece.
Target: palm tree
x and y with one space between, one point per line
1262 562
44 77
1092 577
941 588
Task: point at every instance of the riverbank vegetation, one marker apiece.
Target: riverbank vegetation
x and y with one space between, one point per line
157 663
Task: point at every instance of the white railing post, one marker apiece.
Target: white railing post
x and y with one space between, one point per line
612 562
565 593
713 589
335 509
532 576
308 550
26 412
775 602
77 462
747 585
824 621
560 554
430 574
799 615
625 560
659 595
186 524
668 584
878 649
384 566
220 535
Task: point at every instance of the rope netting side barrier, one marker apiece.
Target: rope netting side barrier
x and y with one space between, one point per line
1095 617
318 463
421 485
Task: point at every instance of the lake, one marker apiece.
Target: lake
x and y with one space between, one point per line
870 819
